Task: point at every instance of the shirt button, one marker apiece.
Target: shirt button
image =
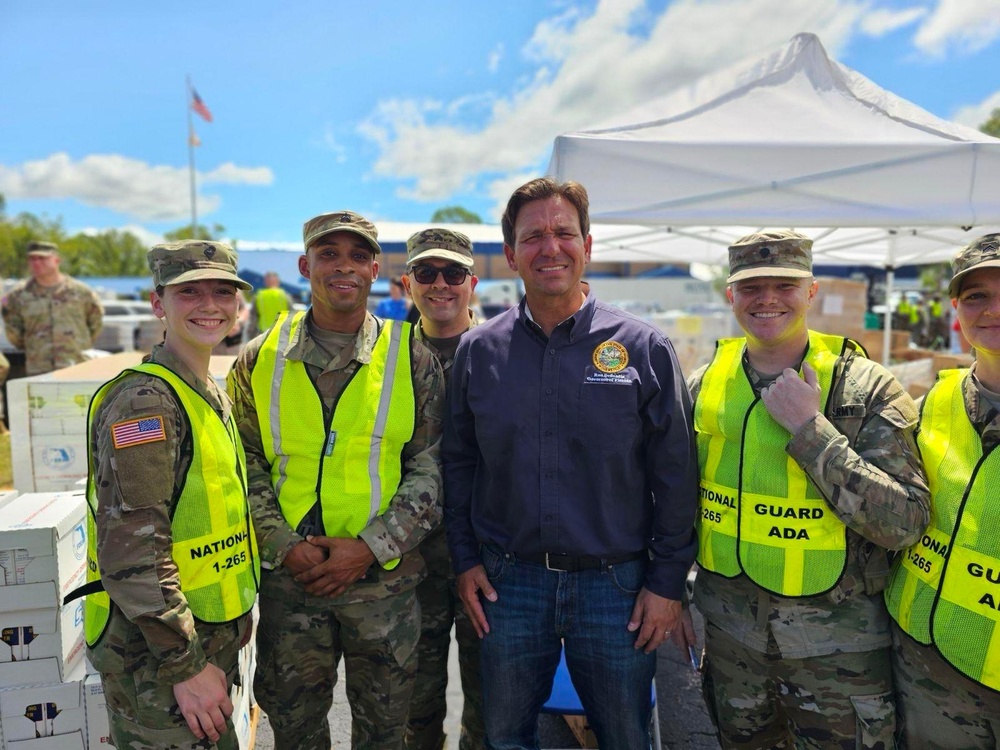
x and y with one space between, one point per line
548 391
548 475
548 518
552 351
548 433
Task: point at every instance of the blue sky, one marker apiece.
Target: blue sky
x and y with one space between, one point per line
395 108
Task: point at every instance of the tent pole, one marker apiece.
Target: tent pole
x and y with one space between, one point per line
887 325
890 277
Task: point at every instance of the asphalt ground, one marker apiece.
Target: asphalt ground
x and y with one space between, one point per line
684 722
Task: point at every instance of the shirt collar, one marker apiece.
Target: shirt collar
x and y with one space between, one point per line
302 347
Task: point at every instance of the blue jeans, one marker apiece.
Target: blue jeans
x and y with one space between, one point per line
537 613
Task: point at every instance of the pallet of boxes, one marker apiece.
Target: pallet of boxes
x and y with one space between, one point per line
49 698
48 420
43 552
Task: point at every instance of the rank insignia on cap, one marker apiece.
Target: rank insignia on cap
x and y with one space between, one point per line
610 357
346 219
138 431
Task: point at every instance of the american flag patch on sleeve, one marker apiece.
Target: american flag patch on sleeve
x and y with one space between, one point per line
138 431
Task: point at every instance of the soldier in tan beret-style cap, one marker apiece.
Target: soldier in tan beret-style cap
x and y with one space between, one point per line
167 485
810 475
354 406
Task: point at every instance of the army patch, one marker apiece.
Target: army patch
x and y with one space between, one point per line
610 357
138 432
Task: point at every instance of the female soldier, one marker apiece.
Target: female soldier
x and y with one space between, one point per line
170 537
945 591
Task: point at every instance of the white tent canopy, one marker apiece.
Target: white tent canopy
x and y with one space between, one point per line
844 246
793 139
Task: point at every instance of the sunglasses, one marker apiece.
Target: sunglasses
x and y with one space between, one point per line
453 275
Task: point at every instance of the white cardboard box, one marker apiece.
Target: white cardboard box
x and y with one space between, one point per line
33 626
45 717
98 731
6 496
48 419
43 539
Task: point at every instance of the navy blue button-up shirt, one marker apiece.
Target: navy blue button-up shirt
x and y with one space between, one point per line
580 443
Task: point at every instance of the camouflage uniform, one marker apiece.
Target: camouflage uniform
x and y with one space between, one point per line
938 706
761 667
440 607
152 640
375 624
53 325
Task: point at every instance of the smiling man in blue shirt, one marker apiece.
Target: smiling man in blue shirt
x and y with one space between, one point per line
570 485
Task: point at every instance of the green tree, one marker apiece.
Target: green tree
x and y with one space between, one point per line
109 253
17 232
455 215
935 277
992 125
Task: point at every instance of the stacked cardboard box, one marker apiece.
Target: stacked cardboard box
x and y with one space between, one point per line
839 307
48 420
694 335
42 669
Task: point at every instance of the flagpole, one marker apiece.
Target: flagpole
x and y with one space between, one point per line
191 172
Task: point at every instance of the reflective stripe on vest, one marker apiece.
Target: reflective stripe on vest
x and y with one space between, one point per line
213 543
353 465
269 303
762 517
945 589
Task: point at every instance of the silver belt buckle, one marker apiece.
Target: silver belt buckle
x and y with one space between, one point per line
549 566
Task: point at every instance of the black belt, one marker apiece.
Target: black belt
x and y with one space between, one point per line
576 563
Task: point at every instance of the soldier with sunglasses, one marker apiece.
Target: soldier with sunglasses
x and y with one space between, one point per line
440 281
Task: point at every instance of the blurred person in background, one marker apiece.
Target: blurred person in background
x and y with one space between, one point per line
52 317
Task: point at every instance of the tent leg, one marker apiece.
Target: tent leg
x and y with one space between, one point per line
887 327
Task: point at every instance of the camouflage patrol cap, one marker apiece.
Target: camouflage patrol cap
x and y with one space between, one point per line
36 247
775 253
193 260
981 253
445 244
340 221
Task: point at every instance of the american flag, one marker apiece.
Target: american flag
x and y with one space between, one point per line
138 431
199 106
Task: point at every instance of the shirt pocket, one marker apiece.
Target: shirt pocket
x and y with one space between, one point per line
607 416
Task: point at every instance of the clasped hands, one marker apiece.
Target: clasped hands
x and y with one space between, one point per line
327 566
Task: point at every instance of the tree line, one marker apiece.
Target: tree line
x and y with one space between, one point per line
111 252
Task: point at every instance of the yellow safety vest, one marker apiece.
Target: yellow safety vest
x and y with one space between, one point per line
269 303
213 541
759 515
351 464
945 589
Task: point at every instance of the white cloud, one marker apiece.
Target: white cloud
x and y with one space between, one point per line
494 58
135 188
880 22
586 67
975 115
963 25
329 141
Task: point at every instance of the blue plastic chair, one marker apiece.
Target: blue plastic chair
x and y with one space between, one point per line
564 701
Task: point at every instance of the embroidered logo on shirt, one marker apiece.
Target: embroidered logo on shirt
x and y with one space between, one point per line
138 431
610 357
